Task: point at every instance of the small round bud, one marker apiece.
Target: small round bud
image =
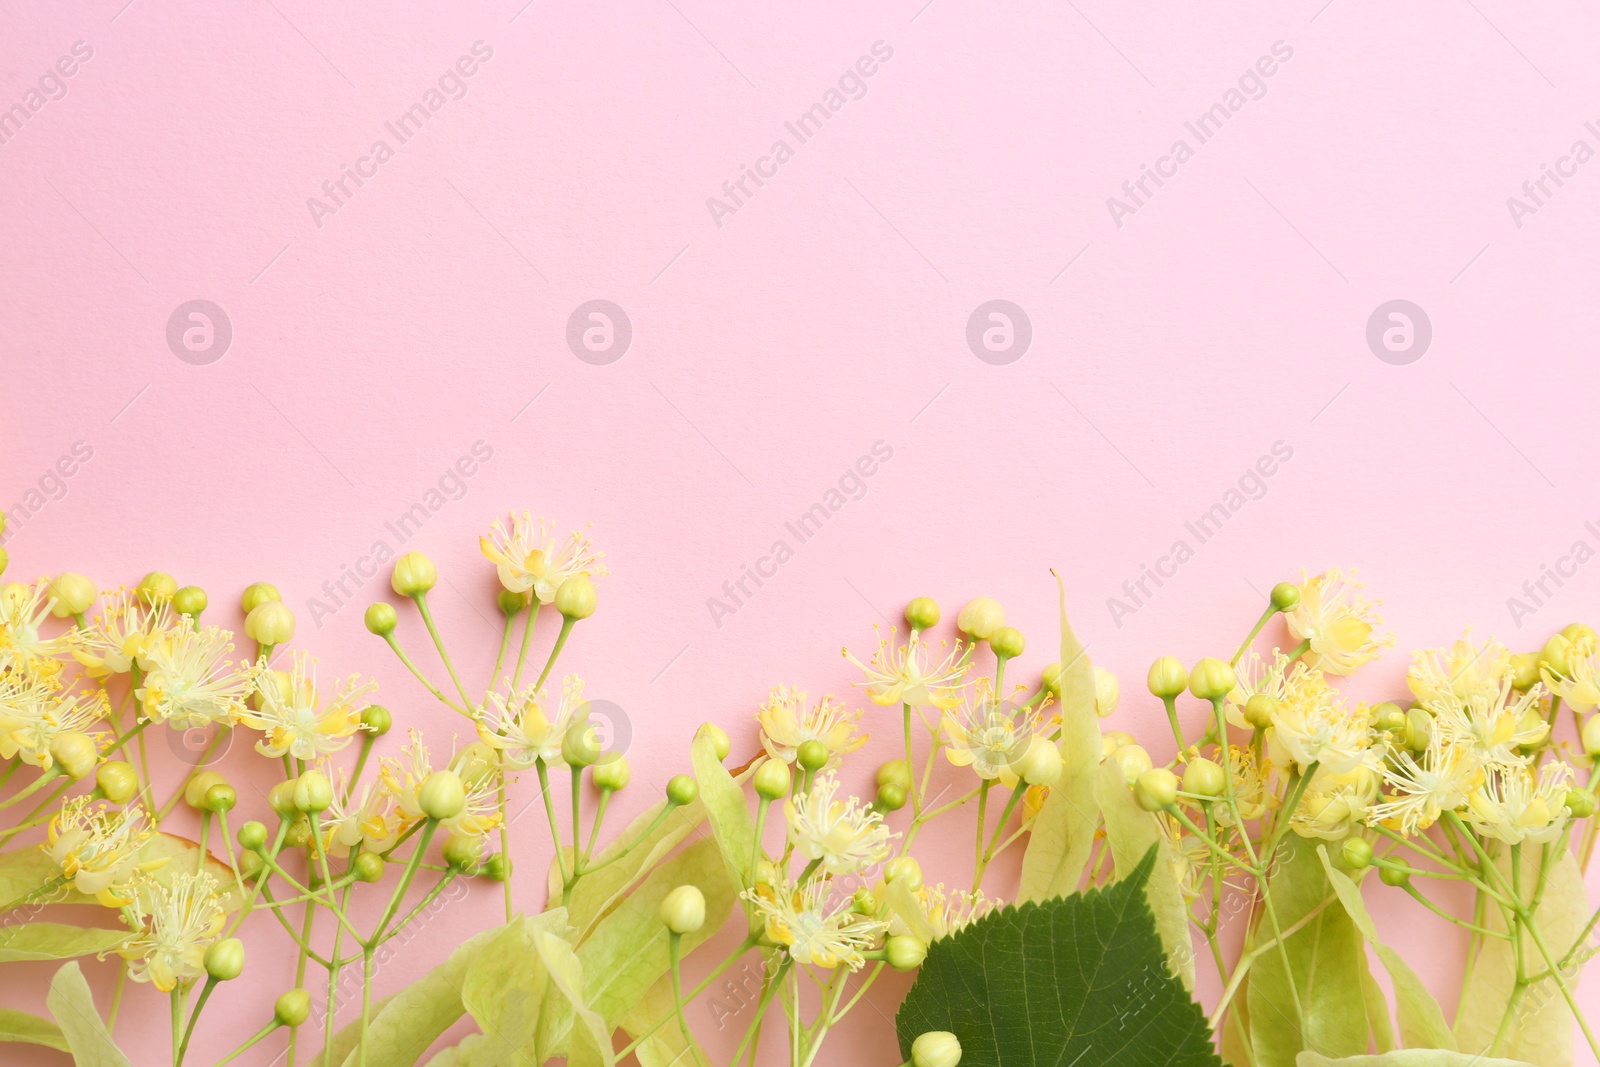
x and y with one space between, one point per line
922 613
1556 655
1260 709
812 755
1591 735
313 792
510 602
905 953
1132 761
936 1048
380 618
1112 740
904 869
75 753
1007 642
1419 729
1050 679
157 587
376 720
1167 677
580 746
980 618
255 594
194 790
1394 874
681 790
1211 679
1285 596
73 594
1580 634
721 744
414 574
191 600
1040 762
576 597
1204 778
253 836
368 867
219 799
250 865
441 795
5 559
300 834
1581 803
895 772
684 909
862 902
1389 717
495 868
463 854
224 959
612 772
1356 852
773 780
281 798
269 623
891 797
293 1008
117 781
1524 671
1107 692
1156 789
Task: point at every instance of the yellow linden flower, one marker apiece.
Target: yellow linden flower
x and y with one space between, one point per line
787 722
1459 672
1514 806
527 557
1313 725
23 611
95 846
1493 722
403 777
183 918
988 735
907 674
370 817
1335 802
1254 675
34 711
811 929
1338 622
517 724
845 836
118 638
189 682
1579 688
1250 792
1033 802
1422 790
939 913
292 717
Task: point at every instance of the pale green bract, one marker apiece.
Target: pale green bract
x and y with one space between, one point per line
29 1029
726 808
72 1005
56 941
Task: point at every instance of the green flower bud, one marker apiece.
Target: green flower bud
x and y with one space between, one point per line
684 909
441 795
1167 677
464 854
219 799
5 558
980 618
904 869
255 594
313 792
1419 729
1395 874
1132 760
157 587
922 613
580 746
73 594
1050 679
281 799
721 744
862 902
250 865
812 755
117 780
510 603
1391 718
1556 655
194 790
681 790
496 868
1107 692
253 836
1580 634
74 753
891 797
905 953
1581 803
414 574
1356 852
1205 778
368 867
293 1008
1040 762
376 720
612 772
1156 789
191 600
936 1048
1260 710
380 618
1007 642
1286 596
773 780
270 623
895 772
224 960
576 597
1591 735
300 834
1524 671
1211 679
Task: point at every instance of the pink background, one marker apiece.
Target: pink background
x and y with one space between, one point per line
827 313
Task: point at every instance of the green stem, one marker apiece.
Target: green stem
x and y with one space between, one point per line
438 643
394 646
1260 623
527 639
194 1017
567 622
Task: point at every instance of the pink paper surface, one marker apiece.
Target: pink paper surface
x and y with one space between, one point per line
1337 156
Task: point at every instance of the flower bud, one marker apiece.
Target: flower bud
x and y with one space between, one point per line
5 557
812 755
895 772
1040 762
157 587
905 953
252 836
1591 734
191 600
1419 729
312 792
681 790
720 742
368 867
75 753
1156 789
463 854
580 746
1167 677
1132 761
1050 679
904 869
1286 596
194 790
376 720
269 623
250 865
612 772
1204 778
281 798
511 602
1524 671
1581 803
117 781
1581 635
224 959
414 574
1007 642
1395 874
441 795
255 594
1107 692
1356 852
496 868
936 1048
862 902
1555 655
293 1008
981 617
684 909
1388 717
1211 679
300 834
922 613
891 797
1112 740
773 780
1260 710
73 594
219 799
380 618
576 597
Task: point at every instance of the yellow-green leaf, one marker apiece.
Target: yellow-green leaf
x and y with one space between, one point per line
346 1037
506 989
72 1005
1422 1022
598 892
55 941
590 1042
726 808
1413 1057
1063 831
665 1047
23 872
30 1029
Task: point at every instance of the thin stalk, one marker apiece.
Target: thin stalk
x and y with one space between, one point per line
438 643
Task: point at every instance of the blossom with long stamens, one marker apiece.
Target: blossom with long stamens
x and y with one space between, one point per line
96 846
911 674
788 721
175 924
297 719
813 928
1337 622
526 726
190 682
528 558
843 836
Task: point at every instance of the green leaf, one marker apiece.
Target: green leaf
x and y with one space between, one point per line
506 990
1325 955
1422 1022
1377 1006
1081 979
726 808
23 872
1132 832
1540 1029
590 1044
55 941
628 951
30 1029
1414 1057
1063 831
72 1005
665 1047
